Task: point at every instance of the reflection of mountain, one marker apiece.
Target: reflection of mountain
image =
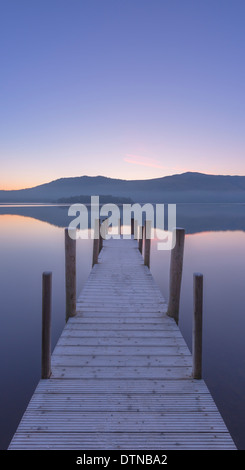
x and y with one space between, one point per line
187 187
104 199
193 217
54 215
211 217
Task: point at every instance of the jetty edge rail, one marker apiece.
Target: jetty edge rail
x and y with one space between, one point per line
121 372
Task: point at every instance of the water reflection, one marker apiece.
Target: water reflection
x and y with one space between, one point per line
193 217
27 248
220 257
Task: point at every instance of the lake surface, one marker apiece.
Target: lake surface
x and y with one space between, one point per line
32 241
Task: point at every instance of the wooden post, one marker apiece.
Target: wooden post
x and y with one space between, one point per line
132 226
147 243
96 245
104 228
176 267
197 325
143 238
101 239
46 324
70 275
140 240
136 230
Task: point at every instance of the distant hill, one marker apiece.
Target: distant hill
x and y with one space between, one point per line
105 199
185 187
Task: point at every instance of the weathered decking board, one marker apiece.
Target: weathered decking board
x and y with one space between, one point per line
121 372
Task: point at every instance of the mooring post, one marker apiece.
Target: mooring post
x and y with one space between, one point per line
140 238
197 325
100 239
96 244
46 324
132 226
147 243
70 274
137 229
104 228
176 267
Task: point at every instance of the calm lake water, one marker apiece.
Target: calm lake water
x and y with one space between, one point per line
32 241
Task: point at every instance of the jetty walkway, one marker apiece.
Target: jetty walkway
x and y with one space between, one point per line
121 371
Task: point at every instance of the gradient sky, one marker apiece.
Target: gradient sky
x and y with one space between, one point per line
121 88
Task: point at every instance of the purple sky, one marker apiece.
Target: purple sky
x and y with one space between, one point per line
121 88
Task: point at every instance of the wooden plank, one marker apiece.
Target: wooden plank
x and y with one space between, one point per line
120 360
119 441
106 342
55 421
122 402
140 386
99 300
121 320
124 309
108 314
124 325
104 372
75 346
149 337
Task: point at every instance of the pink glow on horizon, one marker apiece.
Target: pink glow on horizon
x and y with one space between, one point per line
150 162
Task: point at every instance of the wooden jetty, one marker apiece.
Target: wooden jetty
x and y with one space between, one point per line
121 371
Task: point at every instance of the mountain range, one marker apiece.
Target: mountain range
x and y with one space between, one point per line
185 187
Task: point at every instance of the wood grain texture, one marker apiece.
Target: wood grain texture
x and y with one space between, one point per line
175 275
197 325
46 324
70 275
